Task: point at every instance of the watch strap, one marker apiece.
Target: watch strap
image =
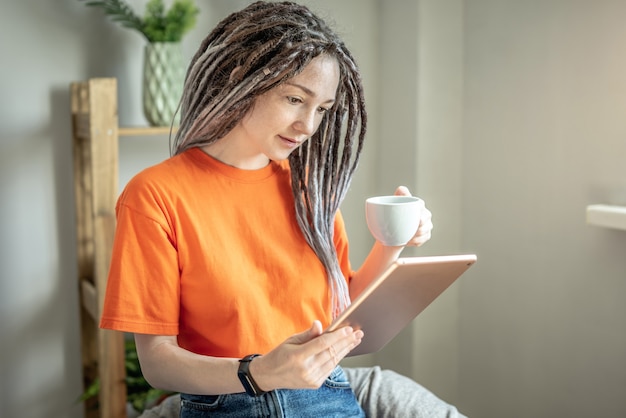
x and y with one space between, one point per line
245 377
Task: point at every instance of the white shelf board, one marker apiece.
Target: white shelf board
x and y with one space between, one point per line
607 216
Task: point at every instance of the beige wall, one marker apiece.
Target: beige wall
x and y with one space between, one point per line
542 315
419 145
507 116
45 46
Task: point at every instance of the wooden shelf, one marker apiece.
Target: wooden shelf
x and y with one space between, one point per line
607 216
145 130
95 152
96 132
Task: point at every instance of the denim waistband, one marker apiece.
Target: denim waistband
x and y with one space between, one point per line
334 398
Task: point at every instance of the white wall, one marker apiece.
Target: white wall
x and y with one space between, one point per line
419 145
540 134
513 112
542 314
45 46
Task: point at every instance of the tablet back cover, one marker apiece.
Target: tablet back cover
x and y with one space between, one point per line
401 293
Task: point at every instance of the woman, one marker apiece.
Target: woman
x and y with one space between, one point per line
231 257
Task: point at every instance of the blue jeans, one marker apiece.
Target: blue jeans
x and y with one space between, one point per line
333 399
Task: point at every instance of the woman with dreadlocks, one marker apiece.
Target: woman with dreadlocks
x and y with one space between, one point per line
235 246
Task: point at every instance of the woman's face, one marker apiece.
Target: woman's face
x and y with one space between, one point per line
281 119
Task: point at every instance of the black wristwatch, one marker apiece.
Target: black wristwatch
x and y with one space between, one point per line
247 381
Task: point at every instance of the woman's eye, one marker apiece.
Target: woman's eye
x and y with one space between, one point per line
295 100
322 110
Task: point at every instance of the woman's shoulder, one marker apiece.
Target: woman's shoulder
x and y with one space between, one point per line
172 170
161 173
157 182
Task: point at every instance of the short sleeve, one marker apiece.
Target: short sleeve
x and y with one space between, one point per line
143 287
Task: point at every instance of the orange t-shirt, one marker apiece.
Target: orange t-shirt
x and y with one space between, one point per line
214 255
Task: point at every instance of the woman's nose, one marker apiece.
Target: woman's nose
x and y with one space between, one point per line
307 123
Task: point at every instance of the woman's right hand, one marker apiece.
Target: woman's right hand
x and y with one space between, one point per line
304 360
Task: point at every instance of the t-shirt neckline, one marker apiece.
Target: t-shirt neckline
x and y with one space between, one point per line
232 172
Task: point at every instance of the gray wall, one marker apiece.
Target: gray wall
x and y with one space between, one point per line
506 116
45 46
543 315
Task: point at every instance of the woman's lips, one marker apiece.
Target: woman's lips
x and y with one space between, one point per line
290 142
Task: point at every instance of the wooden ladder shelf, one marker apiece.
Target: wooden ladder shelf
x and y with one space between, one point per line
96 136
95 143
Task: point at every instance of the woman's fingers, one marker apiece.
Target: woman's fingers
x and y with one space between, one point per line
308 335
306 359
424 230
331 348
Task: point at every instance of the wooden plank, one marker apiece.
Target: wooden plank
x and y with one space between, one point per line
80 109
84 240
95 144
147 131
111 366
89 359
112 381
81 126
89 297
103 142
84 204
82 183
84 236
104 145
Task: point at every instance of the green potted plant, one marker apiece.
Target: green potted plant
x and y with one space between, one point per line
164 69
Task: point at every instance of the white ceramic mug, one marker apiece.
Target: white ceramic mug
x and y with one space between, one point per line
393 220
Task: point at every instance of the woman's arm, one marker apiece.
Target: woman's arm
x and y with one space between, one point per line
303 361
381 256
165 365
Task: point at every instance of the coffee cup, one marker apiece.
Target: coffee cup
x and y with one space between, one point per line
393 220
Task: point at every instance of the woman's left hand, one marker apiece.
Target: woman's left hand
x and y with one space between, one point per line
426 225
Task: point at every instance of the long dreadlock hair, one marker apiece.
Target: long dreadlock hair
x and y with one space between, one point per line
268 43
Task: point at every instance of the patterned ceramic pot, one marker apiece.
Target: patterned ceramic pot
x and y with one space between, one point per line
163 78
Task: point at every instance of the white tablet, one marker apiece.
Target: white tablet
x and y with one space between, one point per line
401 293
